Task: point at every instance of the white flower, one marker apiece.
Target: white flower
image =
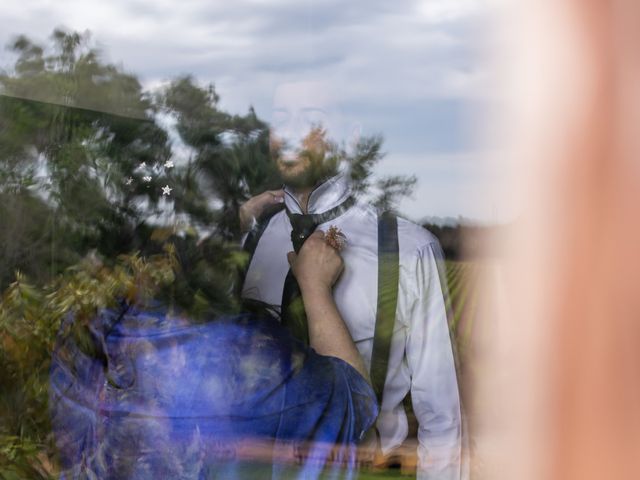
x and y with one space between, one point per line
146 179
166 190
168 164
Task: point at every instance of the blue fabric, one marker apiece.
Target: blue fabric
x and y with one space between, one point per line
155 396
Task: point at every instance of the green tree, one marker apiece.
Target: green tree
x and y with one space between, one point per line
83 157
72 131
231 159
384 192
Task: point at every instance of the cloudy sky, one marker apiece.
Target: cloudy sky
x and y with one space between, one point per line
412 70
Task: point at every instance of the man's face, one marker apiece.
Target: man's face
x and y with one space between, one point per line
302 127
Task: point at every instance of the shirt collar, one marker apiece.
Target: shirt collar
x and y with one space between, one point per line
324 197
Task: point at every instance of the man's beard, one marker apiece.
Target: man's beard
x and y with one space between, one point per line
308 170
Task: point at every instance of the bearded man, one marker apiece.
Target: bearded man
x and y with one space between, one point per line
392 292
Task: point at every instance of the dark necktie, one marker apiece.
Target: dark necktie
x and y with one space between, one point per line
292 314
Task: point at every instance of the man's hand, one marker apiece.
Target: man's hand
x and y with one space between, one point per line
318 265
251 210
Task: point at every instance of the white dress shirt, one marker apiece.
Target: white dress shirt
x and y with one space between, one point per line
421 358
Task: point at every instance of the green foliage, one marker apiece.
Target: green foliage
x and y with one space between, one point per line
231 161
385 191
74 205
72 129
391 189
71 74
367 154
30 319
22 458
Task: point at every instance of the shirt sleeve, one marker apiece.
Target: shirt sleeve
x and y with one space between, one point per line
430 358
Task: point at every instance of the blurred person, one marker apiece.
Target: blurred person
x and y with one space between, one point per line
154 391
571 392
392 293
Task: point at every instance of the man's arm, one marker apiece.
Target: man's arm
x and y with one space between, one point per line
317 267
251 210
434 385
256 207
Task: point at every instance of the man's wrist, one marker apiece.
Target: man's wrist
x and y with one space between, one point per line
315 290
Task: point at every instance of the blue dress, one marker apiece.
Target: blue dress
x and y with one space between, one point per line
148 395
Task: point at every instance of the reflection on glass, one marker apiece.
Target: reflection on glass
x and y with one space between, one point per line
122 329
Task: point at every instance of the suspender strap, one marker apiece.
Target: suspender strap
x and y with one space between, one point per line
388 275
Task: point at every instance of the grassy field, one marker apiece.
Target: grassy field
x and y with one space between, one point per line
464 296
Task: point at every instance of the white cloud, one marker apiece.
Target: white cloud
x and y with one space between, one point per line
383 45
471 184
375 52
442 11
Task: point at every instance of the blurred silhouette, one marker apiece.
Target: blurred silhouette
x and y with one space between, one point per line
565 403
